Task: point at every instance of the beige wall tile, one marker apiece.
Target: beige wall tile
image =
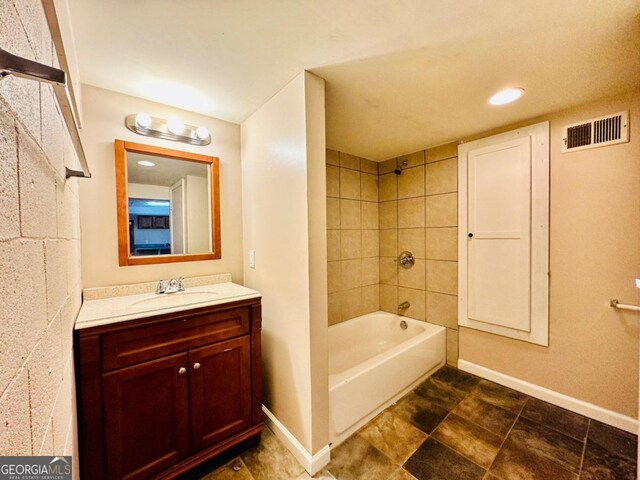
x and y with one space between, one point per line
413 159
411 182
388 214
349 184
387 166
349 161
442 210
333 245
388 271
442 243
370 271
411 212
414 277
369 215
370 243
368 166
333 158
442 309
388 187
350 214
333 213
442 177
389 298
334 277
389 243
369 187
442 152
351 271
351 303
350 244
333 181
452 347
335 308
412 240
416 298
371 298
442 277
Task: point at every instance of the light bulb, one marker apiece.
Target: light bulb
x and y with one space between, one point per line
506 96
202 133
143 120
175 125
146 163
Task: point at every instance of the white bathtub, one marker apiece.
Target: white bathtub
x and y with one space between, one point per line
373 362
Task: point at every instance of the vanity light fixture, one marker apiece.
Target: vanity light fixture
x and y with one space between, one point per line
171 129
507 95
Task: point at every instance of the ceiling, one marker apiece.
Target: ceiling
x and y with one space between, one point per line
401 75
166 171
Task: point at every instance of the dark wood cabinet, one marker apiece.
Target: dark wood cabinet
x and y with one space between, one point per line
161 395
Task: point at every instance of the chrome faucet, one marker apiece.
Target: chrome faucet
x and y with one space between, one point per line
172 286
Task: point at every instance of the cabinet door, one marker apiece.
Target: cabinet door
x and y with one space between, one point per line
220 391
146 412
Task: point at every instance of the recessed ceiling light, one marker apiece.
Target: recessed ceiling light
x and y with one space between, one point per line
507 95
146 163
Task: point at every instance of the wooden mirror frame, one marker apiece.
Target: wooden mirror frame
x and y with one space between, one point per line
122 201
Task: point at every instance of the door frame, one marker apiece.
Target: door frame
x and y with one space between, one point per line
539 134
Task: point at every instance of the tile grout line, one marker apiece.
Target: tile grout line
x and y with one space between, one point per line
584 448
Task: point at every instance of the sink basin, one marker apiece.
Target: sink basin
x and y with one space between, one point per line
175 299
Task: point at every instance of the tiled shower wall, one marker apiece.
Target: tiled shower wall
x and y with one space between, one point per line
419 214
352 236
39 251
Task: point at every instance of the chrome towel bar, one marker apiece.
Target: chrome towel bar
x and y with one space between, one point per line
24 68
615 304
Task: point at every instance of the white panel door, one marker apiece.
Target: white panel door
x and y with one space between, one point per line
499 234
503 234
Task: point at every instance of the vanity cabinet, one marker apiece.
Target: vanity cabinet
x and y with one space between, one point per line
163 394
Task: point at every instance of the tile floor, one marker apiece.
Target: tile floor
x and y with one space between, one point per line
457 426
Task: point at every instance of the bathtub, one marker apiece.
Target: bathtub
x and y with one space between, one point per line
373 362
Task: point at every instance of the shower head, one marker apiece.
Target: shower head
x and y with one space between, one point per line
398 170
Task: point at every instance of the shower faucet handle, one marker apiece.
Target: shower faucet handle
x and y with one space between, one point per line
406 259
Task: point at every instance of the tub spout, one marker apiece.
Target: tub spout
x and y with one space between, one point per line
404 306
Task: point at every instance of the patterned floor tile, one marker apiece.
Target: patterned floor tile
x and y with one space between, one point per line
271 459
495 419
500 396
393 436
419 412
357 459
602 464
556 418
614 440
435 461
475 443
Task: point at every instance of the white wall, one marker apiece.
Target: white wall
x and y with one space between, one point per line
283 185
104 114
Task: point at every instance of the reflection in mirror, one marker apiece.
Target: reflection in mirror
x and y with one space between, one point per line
168 205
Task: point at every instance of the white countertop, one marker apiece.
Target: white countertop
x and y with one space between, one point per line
106 311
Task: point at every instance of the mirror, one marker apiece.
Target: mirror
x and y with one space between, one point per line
168 205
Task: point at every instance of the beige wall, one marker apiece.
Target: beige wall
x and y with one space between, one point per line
39 252
594 256
352 236
283 185
104 114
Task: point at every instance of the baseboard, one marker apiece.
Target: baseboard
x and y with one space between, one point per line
587 409
311 463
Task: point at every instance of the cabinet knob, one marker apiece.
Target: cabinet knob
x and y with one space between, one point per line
182 371
196 366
